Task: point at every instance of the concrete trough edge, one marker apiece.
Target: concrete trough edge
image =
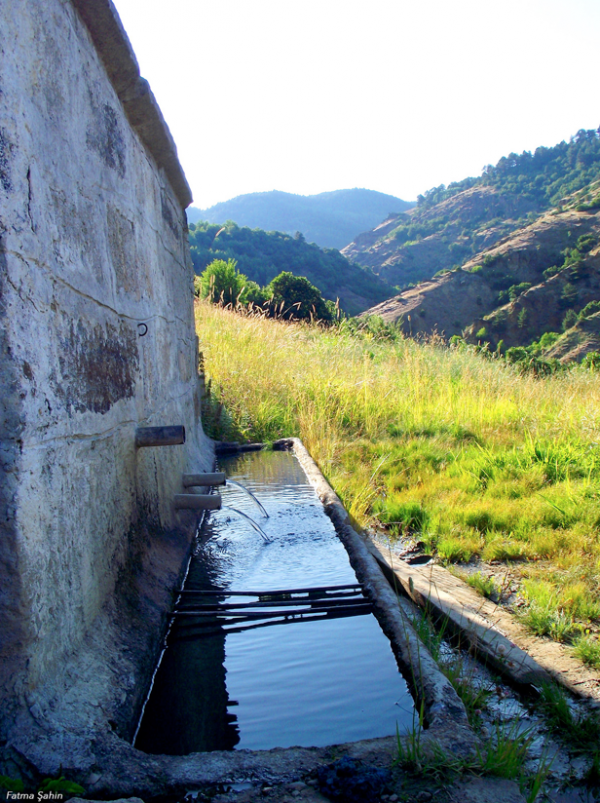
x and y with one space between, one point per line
443 711
487 643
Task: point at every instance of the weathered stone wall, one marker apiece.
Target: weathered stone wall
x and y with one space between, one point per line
93 244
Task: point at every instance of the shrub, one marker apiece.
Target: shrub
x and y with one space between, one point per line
221 282
253 293
587 650
516 354
592 360
294 297
569 320
589 309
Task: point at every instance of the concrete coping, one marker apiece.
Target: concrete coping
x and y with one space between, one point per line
114 48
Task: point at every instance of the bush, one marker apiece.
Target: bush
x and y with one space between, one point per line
254 294
516 354
295 298
221 282
589 309
592 360
569 320
548 339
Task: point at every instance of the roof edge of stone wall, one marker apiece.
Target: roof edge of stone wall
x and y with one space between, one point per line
114 48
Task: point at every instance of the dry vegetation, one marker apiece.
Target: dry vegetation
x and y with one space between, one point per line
476 458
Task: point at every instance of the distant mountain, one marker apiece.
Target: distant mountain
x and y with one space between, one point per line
262 255
330 219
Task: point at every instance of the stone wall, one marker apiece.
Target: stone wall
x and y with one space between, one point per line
96 338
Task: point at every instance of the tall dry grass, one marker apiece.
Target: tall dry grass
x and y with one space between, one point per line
477 458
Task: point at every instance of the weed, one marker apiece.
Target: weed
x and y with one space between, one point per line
483 585
456 550
431 636
592 775
504 753
587 650
474 697
409 516
579 731
429 759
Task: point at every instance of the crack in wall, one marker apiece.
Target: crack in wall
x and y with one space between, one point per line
61 280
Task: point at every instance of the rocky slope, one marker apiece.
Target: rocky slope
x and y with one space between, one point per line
577 341
472 300
412 246
542 308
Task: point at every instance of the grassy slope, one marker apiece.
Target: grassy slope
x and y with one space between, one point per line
475 457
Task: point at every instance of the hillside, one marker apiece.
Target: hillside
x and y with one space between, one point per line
451 224
410 247
263 255
329 219
577 341
547 306
528 270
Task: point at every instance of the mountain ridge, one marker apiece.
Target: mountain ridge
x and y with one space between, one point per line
329 219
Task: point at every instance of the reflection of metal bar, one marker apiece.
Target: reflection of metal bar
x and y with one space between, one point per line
216 478
227 593
193 632
233 606
224 615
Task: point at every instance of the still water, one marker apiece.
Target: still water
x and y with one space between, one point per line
311 682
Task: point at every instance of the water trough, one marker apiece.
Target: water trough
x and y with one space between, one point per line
232 675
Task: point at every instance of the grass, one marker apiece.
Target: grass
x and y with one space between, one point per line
579 731
503 755
587 649
483 585
461 451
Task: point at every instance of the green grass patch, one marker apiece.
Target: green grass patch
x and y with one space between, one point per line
474 456
587 650
483 585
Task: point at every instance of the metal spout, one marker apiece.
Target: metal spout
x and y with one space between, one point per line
197 501
204 480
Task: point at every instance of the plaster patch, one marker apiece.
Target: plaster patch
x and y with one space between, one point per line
98 366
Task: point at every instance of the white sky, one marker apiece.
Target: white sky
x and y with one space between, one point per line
392 95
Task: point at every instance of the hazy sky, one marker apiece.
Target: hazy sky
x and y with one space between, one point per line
392 95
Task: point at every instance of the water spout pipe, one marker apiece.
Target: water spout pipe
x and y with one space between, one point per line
204 480
197 501
159 436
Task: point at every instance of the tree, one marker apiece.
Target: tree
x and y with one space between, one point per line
254 294
221 282
294 297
